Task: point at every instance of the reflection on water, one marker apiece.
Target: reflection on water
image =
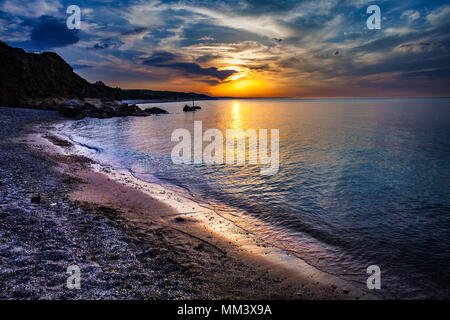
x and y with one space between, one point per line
236 116
361 181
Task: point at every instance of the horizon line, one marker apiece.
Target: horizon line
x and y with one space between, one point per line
331 97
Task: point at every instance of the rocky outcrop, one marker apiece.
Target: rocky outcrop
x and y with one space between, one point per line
96 108
46 81
189 109
25 76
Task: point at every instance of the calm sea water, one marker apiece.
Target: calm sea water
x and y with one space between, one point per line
361 181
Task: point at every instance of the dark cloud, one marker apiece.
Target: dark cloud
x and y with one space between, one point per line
210 82
428 74
408 63
381 44
306 28
259 67
160 58
164 59
107 44
206 58
135 32
421 46
50 32
195 69
289 62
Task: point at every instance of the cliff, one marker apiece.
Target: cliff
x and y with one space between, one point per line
29 77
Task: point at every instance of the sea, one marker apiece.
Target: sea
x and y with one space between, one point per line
361 182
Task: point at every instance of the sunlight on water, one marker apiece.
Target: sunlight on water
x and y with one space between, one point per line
236 116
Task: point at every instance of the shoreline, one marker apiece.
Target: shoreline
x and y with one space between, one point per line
287 276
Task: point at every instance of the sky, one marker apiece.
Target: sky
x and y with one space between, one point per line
245 48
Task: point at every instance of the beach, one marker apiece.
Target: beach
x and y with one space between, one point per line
212 151
128 244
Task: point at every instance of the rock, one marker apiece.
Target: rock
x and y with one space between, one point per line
36 198
71 108
79 117
94 103
155 110
188 108
96 108
52 102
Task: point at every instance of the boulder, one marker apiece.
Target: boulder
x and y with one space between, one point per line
36 198
155 110
188 108
71 108
94 103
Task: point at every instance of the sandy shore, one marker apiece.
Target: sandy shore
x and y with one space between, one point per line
134 240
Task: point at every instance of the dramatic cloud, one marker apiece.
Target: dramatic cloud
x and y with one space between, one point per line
168 60
245 47
52 33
